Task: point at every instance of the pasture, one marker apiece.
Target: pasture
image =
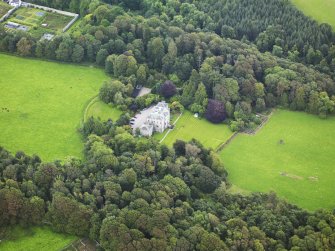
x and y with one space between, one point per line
99 109
42 105
188 127
34 238
322 11
4 8
293 155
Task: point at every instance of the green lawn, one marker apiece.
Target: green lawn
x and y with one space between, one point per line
35 238
99 109
188 127
42 105
321 10
300 169
4 8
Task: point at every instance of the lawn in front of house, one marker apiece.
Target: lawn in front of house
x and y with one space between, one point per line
188 127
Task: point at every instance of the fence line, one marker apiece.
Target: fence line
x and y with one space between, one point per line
223 145
66 13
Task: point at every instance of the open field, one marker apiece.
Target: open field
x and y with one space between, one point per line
42 105
293 155
34 18
322 11
99 109
35 238
4 8
188 127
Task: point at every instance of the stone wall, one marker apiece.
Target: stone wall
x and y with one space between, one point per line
10 12
65 13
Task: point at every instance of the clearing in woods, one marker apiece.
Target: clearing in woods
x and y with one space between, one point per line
42 105
34 238
293 155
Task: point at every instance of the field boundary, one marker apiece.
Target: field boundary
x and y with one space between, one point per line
91 102
267 117
223 145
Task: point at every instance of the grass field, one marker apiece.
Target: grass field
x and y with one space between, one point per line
188 127
35 238
42 105
322 11
99 109
34 18
300 168
4 8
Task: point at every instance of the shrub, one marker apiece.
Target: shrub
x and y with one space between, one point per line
168 89
215 111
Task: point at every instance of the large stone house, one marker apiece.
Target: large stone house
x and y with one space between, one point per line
154 119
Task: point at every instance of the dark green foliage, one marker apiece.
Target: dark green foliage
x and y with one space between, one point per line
146 195
168 89
215 111
133 194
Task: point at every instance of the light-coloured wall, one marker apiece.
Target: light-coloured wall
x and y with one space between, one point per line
10 12
65 13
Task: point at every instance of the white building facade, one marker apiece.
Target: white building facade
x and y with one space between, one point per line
157 121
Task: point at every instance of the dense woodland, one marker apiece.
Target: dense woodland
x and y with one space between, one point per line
226 60
134 194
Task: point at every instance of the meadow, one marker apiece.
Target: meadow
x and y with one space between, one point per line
188 127
322 11
34 238
293 155
42 105
99 109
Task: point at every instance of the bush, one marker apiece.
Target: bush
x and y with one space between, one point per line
215 111
168 89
